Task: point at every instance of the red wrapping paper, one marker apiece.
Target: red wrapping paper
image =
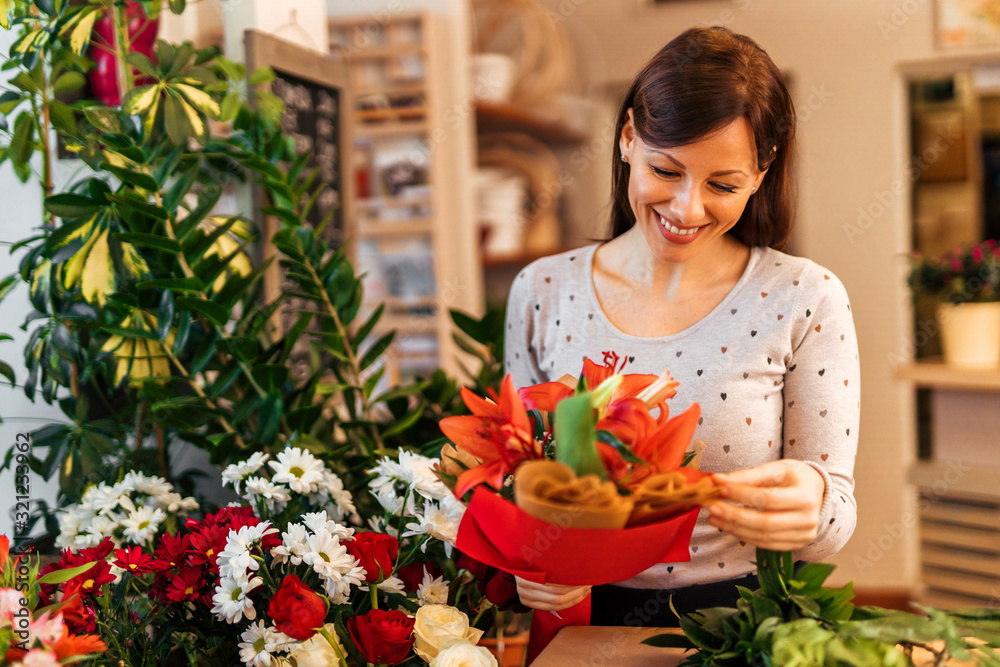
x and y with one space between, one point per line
494 531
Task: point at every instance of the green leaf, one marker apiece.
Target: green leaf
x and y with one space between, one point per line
269 418
69 206
669 641
271 377
576 436
103 118
177 6
5 8
69 82
165 315
131 203
7 372
149 241
216 313
132 177
130 333
9 101
401 425
80 36
22 143
261 76
230 107
24 82
62 117
140 99
286 215
175 119
64 575
142 63
175 284
376 350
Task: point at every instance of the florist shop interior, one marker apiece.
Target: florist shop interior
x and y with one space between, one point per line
279 385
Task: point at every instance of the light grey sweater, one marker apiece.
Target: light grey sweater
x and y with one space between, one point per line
774 368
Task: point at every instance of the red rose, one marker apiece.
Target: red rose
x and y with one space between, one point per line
296 609
383 637
376 552
501 590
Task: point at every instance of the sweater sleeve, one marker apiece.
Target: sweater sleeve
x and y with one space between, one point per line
822 404
520 346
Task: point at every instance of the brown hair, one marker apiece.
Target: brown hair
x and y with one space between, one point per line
699 83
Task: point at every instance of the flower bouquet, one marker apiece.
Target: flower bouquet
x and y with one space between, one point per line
278 578
965 274
576 482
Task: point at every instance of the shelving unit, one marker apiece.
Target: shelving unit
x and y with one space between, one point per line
409 237
959 517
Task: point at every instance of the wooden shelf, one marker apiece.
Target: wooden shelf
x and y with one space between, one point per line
414 227
494 117
935 374
391 128
518 260
961 478
395 203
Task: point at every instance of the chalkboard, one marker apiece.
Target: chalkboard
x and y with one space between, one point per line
312 119
314 89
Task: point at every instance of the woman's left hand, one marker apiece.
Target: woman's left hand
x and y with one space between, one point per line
772 506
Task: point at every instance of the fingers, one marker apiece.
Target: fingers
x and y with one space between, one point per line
551 597
781 531
774 473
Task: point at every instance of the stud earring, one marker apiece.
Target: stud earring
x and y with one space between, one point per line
754 190
624 159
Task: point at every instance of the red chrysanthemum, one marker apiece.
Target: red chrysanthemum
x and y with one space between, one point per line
133 559
172 552
185 585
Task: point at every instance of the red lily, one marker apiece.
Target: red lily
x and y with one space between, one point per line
498 433
661 443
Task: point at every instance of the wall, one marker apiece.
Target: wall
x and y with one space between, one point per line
842 57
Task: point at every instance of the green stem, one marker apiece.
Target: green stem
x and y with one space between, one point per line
373 591
352 358
336 646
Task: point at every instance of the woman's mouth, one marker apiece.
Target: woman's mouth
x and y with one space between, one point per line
678 234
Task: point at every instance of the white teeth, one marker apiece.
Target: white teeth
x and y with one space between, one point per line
677 230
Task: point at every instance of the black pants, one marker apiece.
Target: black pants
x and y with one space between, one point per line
644 607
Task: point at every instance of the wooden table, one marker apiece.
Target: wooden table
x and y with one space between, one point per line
599 646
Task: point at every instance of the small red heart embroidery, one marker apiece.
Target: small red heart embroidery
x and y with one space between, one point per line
780 316
724 350
825 457
826 277
768 444
569 338
845 383
748 421
818 327
792 442
548 280
763 295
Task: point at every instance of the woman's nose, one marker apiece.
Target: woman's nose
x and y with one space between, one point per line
688 205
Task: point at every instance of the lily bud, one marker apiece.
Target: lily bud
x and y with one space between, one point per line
599 397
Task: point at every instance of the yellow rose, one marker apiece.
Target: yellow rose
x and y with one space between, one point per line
437 626
464 654
316 651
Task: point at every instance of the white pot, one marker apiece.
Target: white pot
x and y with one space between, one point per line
970 333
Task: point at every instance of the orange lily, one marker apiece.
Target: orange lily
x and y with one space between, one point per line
4 551
498 433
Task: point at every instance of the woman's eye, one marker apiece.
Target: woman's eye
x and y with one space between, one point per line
724 188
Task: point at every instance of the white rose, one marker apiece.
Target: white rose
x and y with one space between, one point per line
316 651
464 654
438 625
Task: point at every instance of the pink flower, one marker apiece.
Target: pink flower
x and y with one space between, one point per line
977 254
956 264
37 657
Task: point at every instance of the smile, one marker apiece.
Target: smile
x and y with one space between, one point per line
679 231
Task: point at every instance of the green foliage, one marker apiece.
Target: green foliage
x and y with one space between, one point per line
150 326
793 620
967 273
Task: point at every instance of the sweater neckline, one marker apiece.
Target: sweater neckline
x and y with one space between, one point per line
755 255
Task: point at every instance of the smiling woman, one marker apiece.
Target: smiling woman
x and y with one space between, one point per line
693 278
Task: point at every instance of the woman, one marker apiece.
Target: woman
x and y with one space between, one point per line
693 279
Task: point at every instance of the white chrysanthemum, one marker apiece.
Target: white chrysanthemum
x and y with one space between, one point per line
232 602
439 520
102 498
418 470
237 556
142 524
259 642
175 503
327 556
317 521
334 496
70 523
151 486
294 545
275 496
391 584
432 590
338 587
234 474
299 469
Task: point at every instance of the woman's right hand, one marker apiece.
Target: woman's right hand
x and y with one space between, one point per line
550 597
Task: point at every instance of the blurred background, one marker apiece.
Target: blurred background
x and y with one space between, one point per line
478 138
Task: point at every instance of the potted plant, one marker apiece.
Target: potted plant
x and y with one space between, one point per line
965 283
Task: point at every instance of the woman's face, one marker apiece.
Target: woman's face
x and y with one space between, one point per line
685 198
